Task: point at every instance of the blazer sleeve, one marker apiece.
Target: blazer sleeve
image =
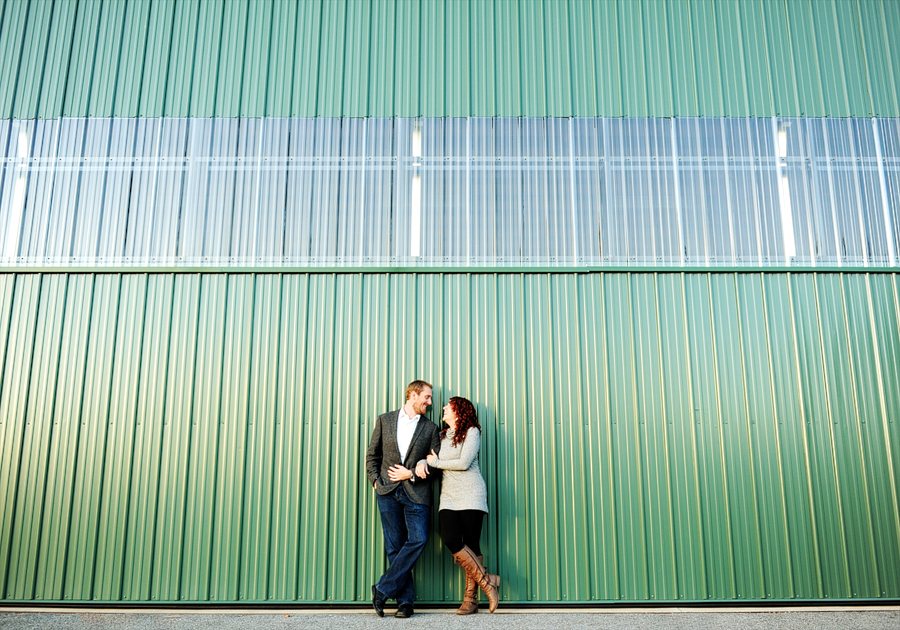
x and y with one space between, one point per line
435 441
467 454
436 447
373 454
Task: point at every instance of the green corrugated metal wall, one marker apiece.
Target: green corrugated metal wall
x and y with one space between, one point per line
670 437
696 436
462 58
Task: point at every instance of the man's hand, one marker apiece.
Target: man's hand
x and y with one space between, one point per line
399 473
422 470
431 458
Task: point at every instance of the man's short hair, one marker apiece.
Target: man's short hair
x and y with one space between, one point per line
416 387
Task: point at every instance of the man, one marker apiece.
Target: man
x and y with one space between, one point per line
401 439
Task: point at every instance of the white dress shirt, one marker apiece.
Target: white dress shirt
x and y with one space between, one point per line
406 427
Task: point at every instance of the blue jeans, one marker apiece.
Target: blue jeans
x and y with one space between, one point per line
405 526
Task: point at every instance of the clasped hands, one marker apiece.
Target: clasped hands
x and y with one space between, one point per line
400 473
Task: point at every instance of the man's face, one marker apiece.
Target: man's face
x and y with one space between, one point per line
421 401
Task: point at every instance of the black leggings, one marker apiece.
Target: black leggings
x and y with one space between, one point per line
461 528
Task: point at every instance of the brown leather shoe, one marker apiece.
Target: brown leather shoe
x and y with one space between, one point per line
488 582
470 596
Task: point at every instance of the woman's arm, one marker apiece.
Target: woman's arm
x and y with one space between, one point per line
467 454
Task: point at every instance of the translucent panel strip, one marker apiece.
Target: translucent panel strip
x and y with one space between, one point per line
451 192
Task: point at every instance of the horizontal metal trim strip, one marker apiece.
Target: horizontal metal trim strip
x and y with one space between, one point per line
829 605
445 270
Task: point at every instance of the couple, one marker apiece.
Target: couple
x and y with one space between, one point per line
404 455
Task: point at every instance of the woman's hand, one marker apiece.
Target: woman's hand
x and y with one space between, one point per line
431 458
399 473
422 470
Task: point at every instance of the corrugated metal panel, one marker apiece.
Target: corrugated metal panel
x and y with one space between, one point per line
154 70
662 437
174 26
12 39
29 73
878 20
462 58
743 192
355 75
134 46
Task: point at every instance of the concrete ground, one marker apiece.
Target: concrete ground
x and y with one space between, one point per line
871 618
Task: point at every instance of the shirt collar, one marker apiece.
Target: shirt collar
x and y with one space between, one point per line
404 416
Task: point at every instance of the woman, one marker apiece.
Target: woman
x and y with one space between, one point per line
464 500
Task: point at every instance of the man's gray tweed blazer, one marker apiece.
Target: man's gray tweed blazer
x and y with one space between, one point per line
383 453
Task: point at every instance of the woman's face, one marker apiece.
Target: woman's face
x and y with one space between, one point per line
449 416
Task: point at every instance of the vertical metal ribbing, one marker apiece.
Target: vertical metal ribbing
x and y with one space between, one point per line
882 185
807 464
665 416
105 434
676 176
254 244
831 196
854 390
469 193
889 459
747 424
734 258
120 581
604 165
620 457
865 247
167 340
362 186
52 420
782 192
574 252
757 205
726 507
704 206
7 540
153 188
245 477
831 422
777 421
633 367
627 202
704 578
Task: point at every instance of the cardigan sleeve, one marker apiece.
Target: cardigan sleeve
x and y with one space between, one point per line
467 454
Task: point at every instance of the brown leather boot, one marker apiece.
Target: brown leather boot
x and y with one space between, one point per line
488 582
470 596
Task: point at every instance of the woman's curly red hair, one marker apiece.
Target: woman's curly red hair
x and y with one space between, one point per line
466 418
